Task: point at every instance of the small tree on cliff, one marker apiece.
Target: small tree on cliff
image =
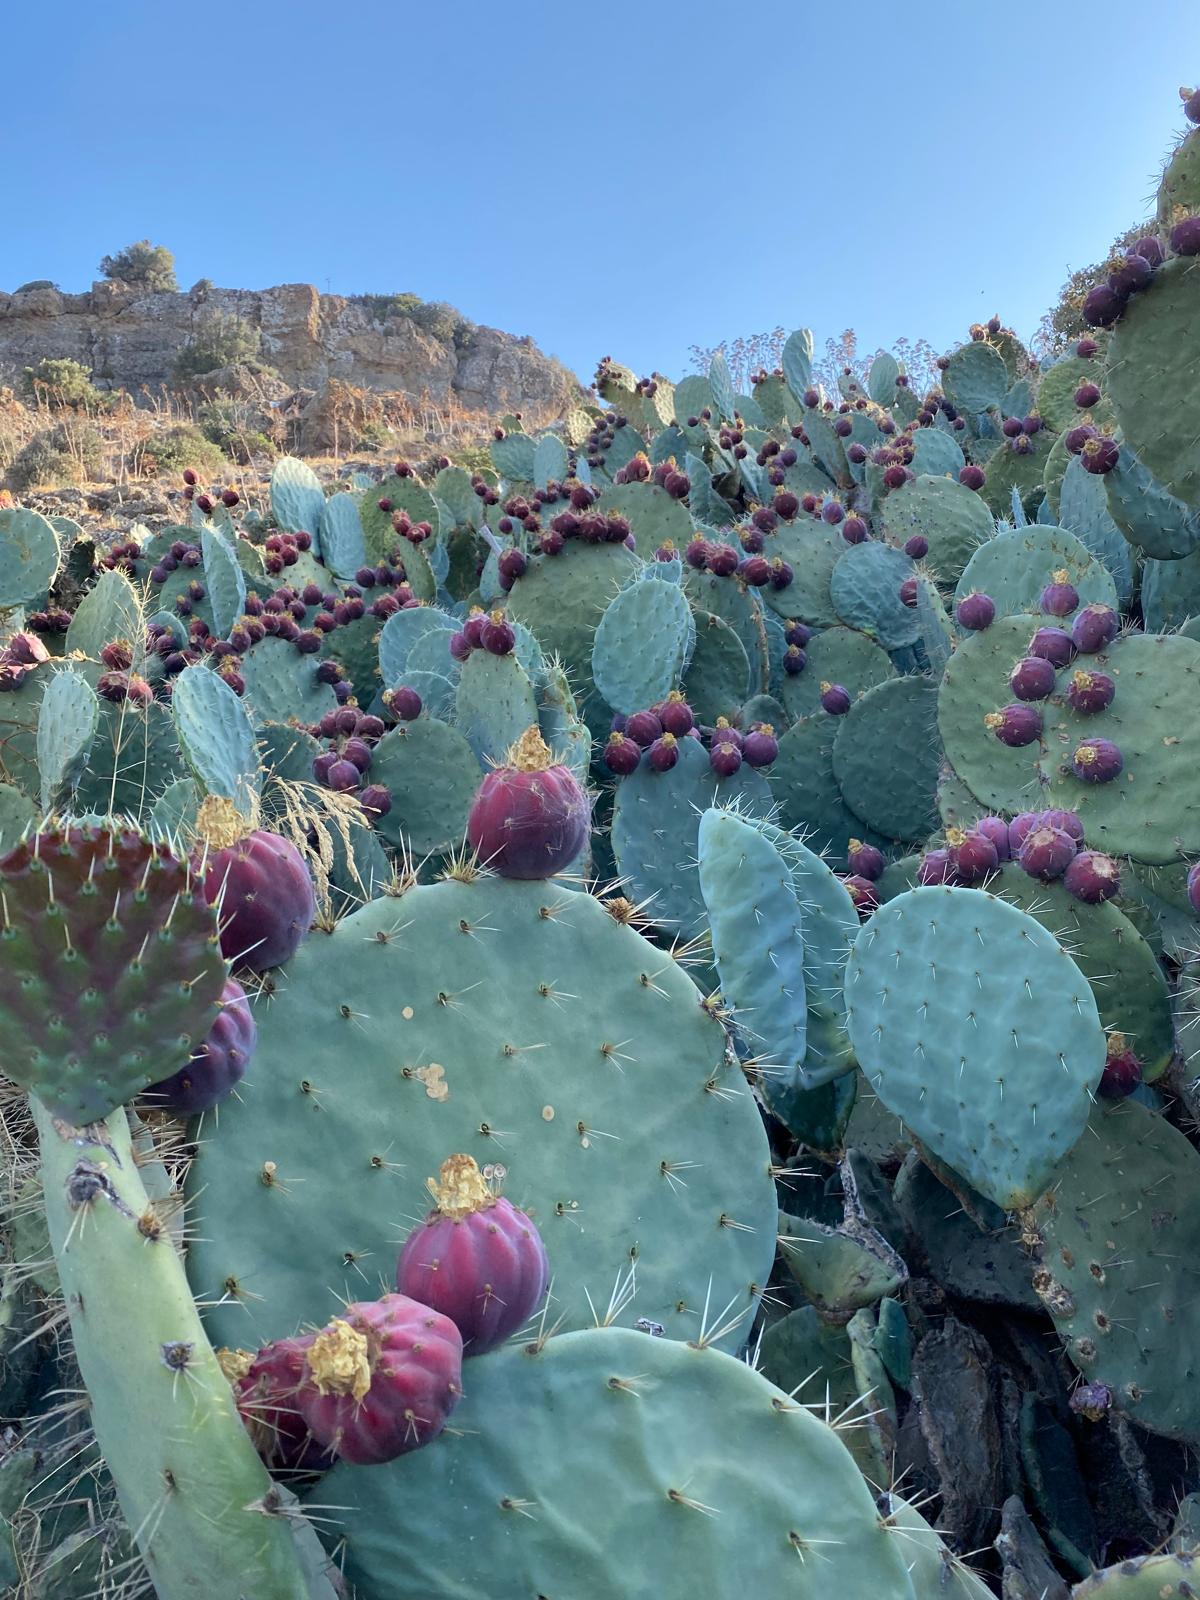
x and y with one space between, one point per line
149 266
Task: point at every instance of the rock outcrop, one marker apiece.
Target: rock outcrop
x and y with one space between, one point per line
130 338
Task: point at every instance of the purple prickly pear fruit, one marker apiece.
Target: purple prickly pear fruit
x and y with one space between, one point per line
265 1387
972 854
511 566
696 554
995 829
908 593
1069 821
1100 455
262 889
404 703
473 629
497 635
725 759
460 646
1149 247
972 476
1134 273
854 530
755 571
530 817
217 1066
475 1258
724 733
1011 427
1097 761
377 799
936 867
975 612
381 1379
783 575
1087 395
1019 830
1094 627
1122 1069
760 746
1091 1400
785 504
1191 104
1033 678
1060 596
621 755
864 894
1047 852
643 727
917 547
1086 349
1075 438
322 764
1092 877
1193 887
358 752
721 560
835 698
343 776
865 860
1102 306
1054 645
117 656
344 720
370 728
1032 423
794 660
1185 237
1089 692
663 753
1016 725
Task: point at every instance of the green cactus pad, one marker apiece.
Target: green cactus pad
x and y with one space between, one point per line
975 683
400 635
1023 471
114 968
937 631
896 795
812 549
1150 518
297 499
494 704
936 455
642 644
927 977
976 378
1014 568
1120 1232
758 943
653 517
655 827
988 1266
1056 394
1083 510
718 675
133 758
29 556
343 548
520 1023
952 517
108 612
216 736
1151 378
1161 1577
432 774
561 1450
1179 187
865 589
1171 591
67 724
837 655
561 599
224 580
282 685
806 791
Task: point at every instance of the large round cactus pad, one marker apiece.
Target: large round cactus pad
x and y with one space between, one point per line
1120 1236
976 1028
899 798
611 1463
1014 568
1151 378
519 1023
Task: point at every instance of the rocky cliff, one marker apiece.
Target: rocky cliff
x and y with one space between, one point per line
129 338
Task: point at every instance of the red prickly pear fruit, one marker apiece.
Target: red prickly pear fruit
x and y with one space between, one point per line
497 635
721 560
1087 395
936 867
972 855
724 758
975 612
1068 821
261 885
381 1379
663 753
1094 627
1092 877
835 699
760 746
1019 830
358 753
863 892
265 1387
908 593
1193 887
995 829
676 715
1032 678
1015 725
621 756
643 727
377 799
1054 645
854 531
1100 455
475 1258
217 1066
1060 596
865 860
917 547
530 817
1122 1070
343 777
724 733
972 476
1046 852
404 703
1075 438
473 629
1097 761
117 656
1089 692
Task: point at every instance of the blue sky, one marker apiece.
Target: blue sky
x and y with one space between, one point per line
616 178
